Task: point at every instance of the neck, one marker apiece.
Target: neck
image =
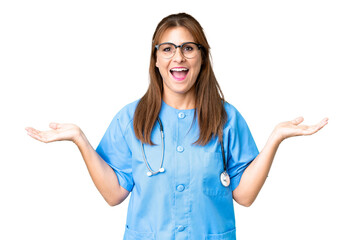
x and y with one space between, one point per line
179 101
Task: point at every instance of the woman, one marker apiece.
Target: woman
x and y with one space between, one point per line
181 149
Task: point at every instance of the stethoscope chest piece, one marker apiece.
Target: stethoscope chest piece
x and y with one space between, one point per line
225 179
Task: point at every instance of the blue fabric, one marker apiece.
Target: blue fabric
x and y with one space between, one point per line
187 201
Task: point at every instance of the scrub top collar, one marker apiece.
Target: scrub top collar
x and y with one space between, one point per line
168 109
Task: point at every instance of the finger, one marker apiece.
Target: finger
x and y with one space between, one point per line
42 136
297 120
54 125
32 130
325 121
308 130
322 123
37 136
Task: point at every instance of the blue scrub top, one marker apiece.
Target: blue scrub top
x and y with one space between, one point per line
187 201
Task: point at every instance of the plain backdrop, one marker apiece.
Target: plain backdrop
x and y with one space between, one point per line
82 61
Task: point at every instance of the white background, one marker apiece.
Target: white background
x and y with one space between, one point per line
81 61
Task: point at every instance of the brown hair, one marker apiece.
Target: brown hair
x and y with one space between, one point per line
209 101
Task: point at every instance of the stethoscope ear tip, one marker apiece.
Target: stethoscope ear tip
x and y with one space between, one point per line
161 170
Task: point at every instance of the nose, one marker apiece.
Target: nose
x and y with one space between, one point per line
178 57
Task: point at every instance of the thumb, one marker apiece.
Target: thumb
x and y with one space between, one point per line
297 120
54 125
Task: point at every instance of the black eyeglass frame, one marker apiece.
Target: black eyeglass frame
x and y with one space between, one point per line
176 46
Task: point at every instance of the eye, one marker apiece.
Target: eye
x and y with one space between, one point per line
166 48
188 47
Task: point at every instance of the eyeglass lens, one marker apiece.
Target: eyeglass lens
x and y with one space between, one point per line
189 50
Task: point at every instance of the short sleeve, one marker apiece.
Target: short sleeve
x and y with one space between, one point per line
114 149
242 149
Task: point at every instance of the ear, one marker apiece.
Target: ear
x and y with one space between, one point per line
156 64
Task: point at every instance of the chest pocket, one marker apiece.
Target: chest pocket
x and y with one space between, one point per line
231 235
131 234
212 168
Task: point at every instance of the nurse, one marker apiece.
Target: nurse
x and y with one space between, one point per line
182 150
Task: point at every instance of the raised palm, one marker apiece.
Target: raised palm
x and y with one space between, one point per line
58 132
293 128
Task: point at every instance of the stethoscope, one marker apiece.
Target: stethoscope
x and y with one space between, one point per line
224 176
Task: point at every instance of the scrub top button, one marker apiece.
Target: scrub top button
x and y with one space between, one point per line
180 188
180 149
181 115
181 228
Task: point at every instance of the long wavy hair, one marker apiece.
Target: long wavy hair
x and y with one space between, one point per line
209 103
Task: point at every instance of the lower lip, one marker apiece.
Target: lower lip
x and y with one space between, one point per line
179 79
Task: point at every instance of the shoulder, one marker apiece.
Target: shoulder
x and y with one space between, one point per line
126 114
234 117
128 110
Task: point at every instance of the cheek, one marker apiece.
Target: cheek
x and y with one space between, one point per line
161 65
197 68
161 68
198 63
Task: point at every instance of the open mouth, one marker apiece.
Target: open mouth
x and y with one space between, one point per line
179 73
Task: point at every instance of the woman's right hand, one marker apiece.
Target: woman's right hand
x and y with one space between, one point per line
58 132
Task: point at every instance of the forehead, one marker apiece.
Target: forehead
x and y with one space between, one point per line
177 35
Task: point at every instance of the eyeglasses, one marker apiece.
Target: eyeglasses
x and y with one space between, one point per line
168 49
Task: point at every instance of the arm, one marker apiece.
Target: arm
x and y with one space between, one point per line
256 173
101 173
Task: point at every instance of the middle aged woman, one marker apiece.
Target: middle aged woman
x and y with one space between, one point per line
182 151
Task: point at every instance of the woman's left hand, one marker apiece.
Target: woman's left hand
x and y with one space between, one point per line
292 128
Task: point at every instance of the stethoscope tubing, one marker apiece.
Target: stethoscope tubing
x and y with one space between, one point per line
224 177
161 169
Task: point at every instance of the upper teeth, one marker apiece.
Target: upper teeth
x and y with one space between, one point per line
179 69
